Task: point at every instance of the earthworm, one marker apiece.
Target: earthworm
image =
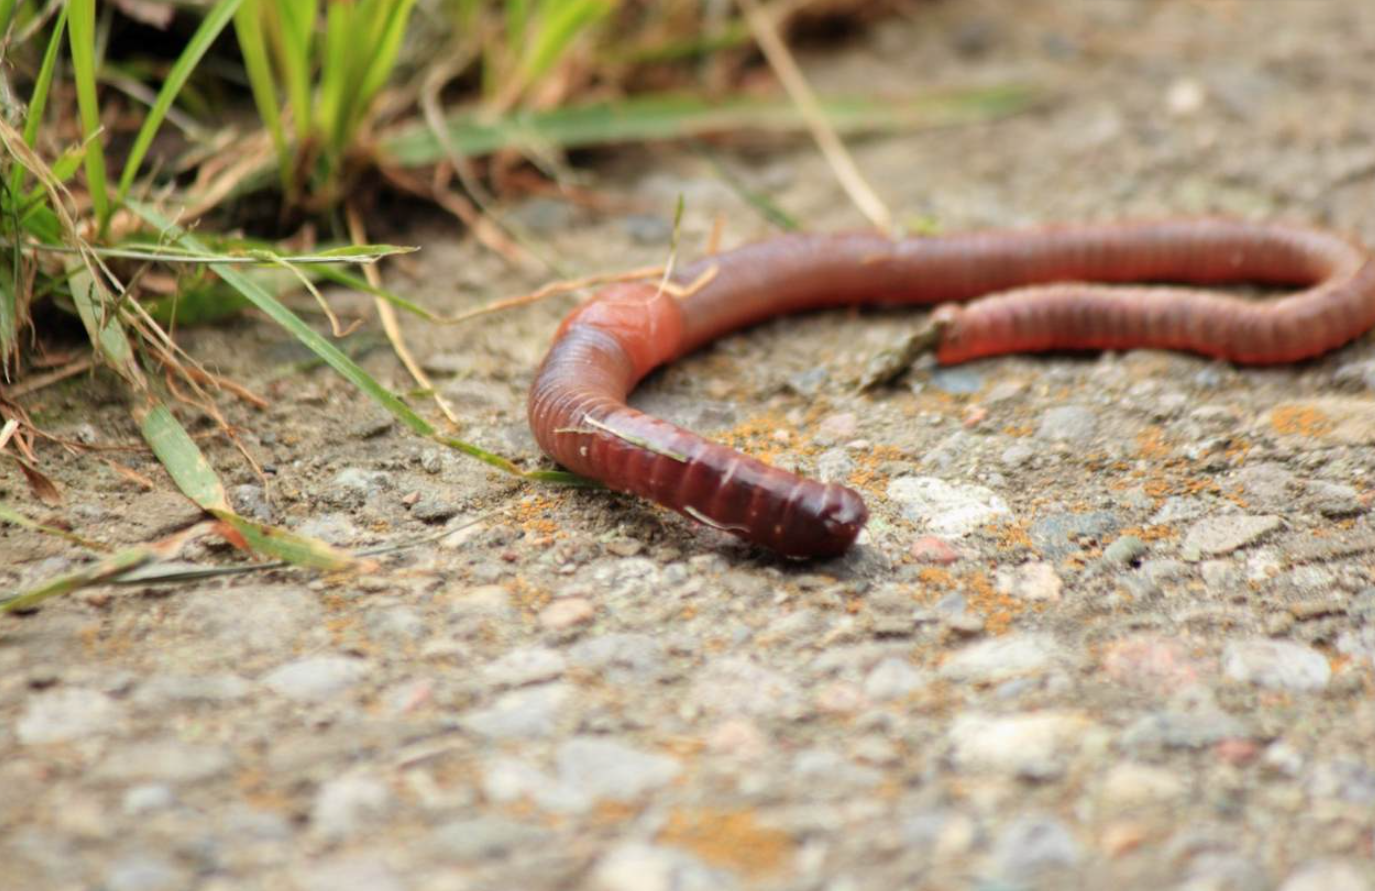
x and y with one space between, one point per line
1034 293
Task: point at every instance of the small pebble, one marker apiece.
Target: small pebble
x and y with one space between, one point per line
567 612
316 678
1068 423
933 549
947 509
1222 535
1000 659
1276 664
67 714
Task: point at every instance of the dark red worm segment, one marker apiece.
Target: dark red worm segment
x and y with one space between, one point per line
1039 301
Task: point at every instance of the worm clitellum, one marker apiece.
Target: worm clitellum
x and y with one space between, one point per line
1054 288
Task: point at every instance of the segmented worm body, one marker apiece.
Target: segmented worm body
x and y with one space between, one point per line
1027 290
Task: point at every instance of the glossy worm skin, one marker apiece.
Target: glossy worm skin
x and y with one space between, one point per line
1037 299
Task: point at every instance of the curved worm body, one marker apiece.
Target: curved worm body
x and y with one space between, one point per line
1027 291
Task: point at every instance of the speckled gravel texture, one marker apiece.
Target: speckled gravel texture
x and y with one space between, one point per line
1112 623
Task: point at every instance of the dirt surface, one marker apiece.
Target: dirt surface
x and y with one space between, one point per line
1112 623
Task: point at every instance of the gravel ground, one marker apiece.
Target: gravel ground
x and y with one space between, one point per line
1112 623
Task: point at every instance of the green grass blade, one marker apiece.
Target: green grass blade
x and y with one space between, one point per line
102 570
294 21
38 101
677 116
210 28
10 515
10 278
328 352
198 481
248 26
81 34
297 327
565 22
285 545
387 42
334 92
6 11
179 453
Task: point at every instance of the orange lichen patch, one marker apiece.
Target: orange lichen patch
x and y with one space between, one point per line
256 790
529 598
998 609
935 577
1300 420
1020 431
759 437
613 813
866 475
535 515
1012 535
1151 444
727 838
1158 532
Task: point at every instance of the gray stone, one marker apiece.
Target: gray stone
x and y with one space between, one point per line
1068 423
481 838
521 714
1182 729
1343 780
1333 499
606 769
395 624
1328 874
1033 845
268 617
164 761
331 528
1021 744
893 678
956 380
1276 664
161 690
350 872
634 866
620 657
67 714
1125 551
949 509
144 873
1358 375
251 501
147 798
1017 454
524 665
349 804
315 678
434 510
1265 485
1224 871
644 228
359 483
1222 535
543 216
1055 535
735 685
995 660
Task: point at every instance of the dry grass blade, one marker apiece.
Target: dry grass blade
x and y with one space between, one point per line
559 287
842 163
105 570
39 381
386 313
